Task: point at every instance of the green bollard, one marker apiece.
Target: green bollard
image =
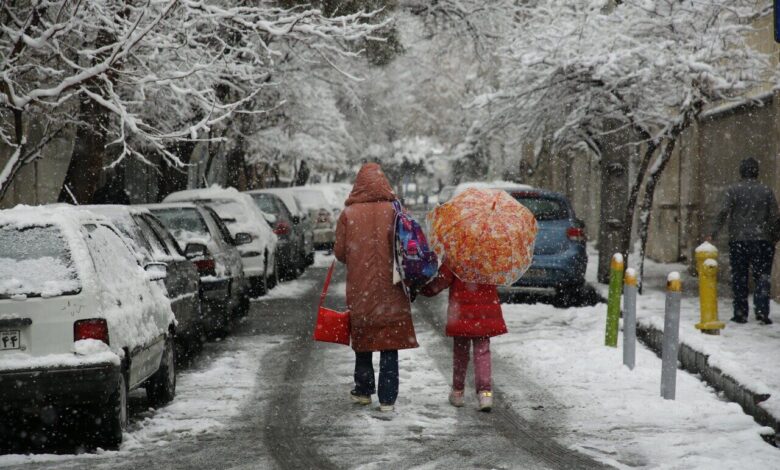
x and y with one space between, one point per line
613 303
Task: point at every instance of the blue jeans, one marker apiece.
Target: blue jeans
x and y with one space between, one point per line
744 255
388 375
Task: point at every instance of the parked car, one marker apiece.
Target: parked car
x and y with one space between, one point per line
152 243
321 213
205 238
301 221
290 247
445 194
249 227
560 257
82 323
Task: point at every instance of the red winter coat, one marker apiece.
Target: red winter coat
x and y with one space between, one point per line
474 309
379 311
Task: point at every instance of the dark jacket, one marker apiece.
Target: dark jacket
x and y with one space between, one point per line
380 313
750 210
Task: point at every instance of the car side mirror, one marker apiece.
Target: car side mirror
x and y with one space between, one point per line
195 250
242 238
156 271
296 220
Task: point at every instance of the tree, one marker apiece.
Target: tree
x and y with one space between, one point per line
578 73
149 74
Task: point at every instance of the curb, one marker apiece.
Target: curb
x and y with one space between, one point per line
697 362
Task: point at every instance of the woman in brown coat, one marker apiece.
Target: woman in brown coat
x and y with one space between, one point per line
380 313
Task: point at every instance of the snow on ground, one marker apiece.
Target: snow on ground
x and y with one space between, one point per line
206 400
289 290
617 415
422 411
323 259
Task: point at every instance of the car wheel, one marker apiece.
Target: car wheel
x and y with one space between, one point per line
161 387
569 296
273 279
310 259
113 417
262 287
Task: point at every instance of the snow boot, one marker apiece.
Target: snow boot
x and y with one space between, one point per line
386 408
764 319
485 401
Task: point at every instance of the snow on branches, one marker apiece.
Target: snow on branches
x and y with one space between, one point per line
161 70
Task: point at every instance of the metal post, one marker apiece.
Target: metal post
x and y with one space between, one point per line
613 303
671 336
629 319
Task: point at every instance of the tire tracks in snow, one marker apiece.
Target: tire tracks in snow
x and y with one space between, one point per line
535 435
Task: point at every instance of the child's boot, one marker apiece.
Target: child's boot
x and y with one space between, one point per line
456 398
485 401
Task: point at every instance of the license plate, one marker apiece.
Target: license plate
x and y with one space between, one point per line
534 274
10 339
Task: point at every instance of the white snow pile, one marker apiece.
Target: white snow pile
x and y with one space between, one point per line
290 290
206 399
615 414
322 260
706 247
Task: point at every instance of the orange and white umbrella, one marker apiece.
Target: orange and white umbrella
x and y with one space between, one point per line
486 236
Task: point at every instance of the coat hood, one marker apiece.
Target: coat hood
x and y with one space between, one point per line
371 185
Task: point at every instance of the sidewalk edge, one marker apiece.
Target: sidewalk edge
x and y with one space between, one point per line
697 362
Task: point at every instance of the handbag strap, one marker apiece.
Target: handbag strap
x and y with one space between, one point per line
327 283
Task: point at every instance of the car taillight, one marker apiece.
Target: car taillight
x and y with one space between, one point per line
576 234
94 328
282 228
206 266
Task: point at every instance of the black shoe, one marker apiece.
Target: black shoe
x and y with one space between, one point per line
764 319
739 319
359 398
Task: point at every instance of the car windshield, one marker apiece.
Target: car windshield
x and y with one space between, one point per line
311 199
544 208
36 262
185 224
266 203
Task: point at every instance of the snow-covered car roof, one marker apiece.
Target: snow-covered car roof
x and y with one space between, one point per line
498 184
285 195
257 224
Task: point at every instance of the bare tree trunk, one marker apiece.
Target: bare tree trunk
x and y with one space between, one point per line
89 149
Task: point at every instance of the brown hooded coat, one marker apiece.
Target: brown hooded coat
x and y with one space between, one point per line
380 314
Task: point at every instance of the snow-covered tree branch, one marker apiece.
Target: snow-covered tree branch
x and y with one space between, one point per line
159 71
578 72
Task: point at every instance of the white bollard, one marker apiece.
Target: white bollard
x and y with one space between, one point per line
671 337
629 318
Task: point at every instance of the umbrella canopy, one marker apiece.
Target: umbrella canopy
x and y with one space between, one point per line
486 236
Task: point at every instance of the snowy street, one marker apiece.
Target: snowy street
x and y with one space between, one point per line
271 397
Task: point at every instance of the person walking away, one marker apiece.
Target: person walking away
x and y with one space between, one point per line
380 312
473 316
750 211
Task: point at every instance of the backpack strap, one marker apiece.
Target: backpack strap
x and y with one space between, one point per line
327 283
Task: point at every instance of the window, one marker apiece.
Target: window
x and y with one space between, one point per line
223 230
163 234
36 261
115 265
159 250
544 208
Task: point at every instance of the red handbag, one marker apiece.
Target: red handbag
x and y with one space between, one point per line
332 326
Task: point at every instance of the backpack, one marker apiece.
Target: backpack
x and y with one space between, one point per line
416 262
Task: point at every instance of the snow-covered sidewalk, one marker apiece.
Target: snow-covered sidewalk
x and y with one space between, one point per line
615 414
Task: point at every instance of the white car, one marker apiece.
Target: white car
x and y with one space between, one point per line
81 322
249 227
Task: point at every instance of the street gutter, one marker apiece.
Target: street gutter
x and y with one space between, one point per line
697 362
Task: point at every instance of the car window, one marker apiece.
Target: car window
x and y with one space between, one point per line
266 203
544 208
164 235
223 230
114 264
311 199
159 249
36 261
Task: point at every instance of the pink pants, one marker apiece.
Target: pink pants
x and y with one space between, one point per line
460 363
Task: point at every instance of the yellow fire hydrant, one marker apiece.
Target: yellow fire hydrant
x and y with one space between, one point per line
707 266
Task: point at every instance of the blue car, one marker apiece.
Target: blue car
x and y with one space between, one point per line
560 258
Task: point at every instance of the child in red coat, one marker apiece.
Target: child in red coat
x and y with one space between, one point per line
473 316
